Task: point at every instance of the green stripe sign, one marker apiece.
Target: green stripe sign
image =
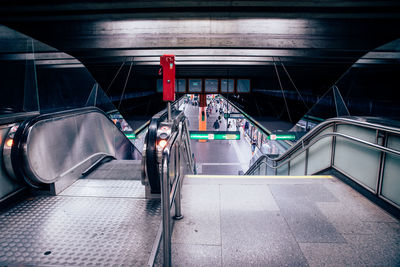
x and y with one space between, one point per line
281 137
130 135
215 135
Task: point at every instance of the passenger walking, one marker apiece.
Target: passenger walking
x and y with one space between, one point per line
246 127
253 146
216 125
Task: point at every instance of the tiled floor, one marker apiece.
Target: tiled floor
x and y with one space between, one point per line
218 156
281 222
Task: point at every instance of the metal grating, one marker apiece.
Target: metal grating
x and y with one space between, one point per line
106 188
79 231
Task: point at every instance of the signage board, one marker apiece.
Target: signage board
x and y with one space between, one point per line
215 135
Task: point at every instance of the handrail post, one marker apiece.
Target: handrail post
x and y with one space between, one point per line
178 213
169 114
166 216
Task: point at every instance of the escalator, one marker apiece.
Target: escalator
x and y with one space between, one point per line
266 141
52 151
80 192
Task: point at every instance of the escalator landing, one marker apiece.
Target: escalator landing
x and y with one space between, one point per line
81 229
105 188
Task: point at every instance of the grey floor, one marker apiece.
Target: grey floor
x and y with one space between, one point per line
218 156
281 222
95 222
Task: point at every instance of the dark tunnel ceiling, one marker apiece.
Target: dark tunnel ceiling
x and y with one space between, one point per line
211 38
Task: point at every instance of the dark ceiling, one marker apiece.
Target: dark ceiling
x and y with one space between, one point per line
317 41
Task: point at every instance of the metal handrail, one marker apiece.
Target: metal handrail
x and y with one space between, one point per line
166 199
192 162
141 128
375 146
249 118
163 113
300 146
171 193
255 123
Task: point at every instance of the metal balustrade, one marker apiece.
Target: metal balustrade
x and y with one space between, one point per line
365 150
176 161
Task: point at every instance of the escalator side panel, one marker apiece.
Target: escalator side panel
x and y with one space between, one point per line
7 185
151 157
53 146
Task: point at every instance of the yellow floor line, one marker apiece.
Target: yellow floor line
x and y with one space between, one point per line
263 176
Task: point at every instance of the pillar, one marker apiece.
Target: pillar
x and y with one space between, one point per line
202 113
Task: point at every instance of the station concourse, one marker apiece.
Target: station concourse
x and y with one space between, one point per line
184 133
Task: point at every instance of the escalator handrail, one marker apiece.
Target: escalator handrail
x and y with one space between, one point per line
151 153
21 136
24 129
261 128
141 128
308 140
185 132
138 130
76 111
318 138
163 113
249 118
64 113
17 117
145 125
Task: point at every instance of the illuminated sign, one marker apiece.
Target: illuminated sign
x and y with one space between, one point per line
130 135
233 115
282 137
215 135
195 85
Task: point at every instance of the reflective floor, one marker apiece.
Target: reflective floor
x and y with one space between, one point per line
281 222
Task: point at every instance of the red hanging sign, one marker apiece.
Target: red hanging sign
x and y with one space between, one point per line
167 63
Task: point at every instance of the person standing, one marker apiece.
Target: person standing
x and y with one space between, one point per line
253 146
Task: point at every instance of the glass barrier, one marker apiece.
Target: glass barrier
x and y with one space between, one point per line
19 90
39 78
99 99
330 105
